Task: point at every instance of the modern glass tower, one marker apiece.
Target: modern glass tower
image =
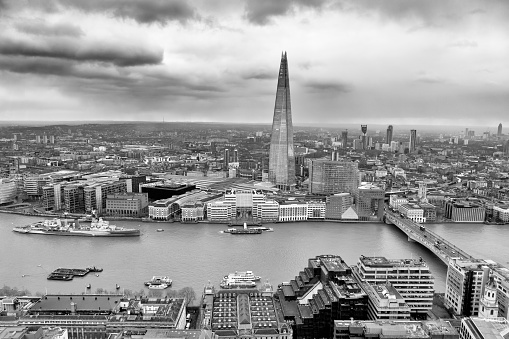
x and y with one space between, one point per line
281 155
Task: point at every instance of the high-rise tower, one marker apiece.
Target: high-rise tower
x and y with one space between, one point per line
389 134
413 140
281 156
499 131
364 129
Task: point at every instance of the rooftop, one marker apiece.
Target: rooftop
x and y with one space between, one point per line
384 262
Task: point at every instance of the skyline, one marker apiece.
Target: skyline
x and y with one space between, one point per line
396 62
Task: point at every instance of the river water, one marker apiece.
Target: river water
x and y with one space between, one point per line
193 254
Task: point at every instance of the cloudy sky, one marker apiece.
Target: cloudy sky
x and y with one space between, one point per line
350 61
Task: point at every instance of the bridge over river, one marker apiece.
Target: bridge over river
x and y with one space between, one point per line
432 241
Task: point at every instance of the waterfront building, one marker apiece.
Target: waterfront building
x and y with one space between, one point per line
268 211
476 328
465 282
95 316
243 313
96 193
430 212
369 201
192 212
8 191
33 185
430 329
281 154
410 277
293 211
464 211
220 211
159 209
323 292
74 201
413 212
337 204
127 204
331 177
385 303
244 202
501 213
316 210
388 138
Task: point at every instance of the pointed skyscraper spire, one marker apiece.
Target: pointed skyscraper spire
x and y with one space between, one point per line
281 156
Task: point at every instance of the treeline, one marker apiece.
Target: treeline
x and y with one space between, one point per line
13 291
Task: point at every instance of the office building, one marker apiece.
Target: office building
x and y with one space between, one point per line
499 130
464 211
364 130
344 138
127 205
388 138
244 202
8 191
281 154
479 328
226 158
385 303
337 205
413 141
369 201
413 212
331 177
243 313
410 277
464 285
323 292
95 194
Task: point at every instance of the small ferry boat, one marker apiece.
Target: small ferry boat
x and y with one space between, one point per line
158 283
244 230
230 283
242 276
263 228
66 227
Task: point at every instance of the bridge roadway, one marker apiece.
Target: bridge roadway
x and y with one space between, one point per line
432 241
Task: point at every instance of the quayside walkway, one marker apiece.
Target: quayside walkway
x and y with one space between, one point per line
432 241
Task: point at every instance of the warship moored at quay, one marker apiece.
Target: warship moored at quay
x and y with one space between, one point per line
66 227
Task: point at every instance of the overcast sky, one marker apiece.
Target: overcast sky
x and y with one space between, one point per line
352 61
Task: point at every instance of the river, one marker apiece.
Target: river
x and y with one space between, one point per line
193 254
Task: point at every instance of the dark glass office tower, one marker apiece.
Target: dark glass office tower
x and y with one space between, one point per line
389 135
281 156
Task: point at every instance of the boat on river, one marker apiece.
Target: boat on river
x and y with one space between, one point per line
244 230
158 283
239 280
66 227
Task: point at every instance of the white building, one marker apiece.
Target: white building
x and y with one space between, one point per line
268 211
160 210
395 201
220 211
413 212
410 277
7 191
475 328
293 211
385 303
316 210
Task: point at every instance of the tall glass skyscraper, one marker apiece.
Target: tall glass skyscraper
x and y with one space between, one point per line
281 156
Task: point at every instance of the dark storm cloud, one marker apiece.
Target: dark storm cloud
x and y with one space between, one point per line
329 86
39 27
261 11
143 11
79 51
